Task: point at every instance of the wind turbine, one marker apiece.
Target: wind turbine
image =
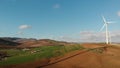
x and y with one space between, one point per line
107 34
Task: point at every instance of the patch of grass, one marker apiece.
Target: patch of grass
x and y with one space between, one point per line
97 50
13 52
72 48
19 56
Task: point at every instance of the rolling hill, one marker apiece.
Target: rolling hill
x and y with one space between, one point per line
23 42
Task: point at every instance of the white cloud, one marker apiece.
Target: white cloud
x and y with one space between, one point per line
68 39
22 27
20 32
56 6
99 36
91 36
118 13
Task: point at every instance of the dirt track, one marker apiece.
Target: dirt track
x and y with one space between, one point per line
108 59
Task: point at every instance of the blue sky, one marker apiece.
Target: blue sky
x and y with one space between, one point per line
56 18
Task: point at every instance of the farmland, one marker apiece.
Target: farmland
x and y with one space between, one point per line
18 56
58 56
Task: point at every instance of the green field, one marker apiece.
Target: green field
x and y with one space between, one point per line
18 56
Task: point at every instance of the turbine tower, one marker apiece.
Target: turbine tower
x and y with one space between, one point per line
107 34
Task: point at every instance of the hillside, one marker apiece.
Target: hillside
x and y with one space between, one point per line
41 42
24 42
7 43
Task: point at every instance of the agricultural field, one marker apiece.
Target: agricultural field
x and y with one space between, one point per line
18 56
88 55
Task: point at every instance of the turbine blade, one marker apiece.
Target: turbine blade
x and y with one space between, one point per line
102 27
104 20
111 22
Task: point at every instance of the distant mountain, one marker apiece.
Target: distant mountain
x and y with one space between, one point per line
41 42
4 42
16 39
31 42
12 39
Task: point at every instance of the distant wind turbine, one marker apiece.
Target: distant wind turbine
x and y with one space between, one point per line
107 33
